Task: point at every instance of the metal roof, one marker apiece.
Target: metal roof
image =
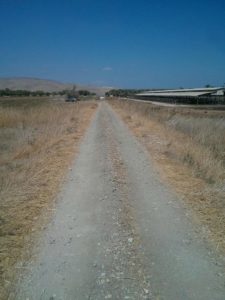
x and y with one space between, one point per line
175 94
181 92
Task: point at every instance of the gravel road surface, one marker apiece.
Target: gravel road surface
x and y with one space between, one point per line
118 232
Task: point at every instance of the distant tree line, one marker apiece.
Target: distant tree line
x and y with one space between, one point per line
8 92
85 93
124 92
22 93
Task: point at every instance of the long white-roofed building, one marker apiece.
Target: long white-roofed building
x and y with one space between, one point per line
192 96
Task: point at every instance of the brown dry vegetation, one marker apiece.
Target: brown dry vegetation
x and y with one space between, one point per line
37 144
188 148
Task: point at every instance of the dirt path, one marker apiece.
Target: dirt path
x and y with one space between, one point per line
118 232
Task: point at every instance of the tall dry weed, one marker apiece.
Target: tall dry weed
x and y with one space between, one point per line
203 133
187 147
36 147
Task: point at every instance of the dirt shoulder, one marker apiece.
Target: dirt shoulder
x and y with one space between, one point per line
168 148
37 146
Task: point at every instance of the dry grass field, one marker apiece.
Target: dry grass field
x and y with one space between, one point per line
38 140
188 148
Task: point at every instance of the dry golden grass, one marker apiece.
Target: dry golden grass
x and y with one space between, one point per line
36 149
188 148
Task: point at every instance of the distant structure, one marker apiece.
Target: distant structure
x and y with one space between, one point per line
215 95
72 95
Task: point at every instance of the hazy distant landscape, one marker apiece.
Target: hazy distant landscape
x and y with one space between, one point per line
46 85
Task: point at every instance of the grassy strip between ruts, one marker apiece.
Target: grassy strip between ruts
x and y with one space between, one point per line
38 143
188 148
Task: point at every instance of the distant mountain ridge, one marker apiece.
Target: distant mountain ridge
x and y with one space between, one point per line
46 85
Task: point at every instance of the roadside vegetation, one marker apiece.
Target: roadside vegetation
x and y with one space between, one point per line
124 92
188 147
21 93
27 93
37 144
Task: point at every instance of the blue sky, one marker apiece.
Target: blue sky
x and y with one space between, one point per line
121 43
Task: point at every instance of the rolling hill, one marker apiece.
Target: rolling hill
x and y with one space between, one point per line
46 85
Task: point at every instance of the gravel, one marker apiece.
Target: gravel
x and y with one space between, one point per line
118 232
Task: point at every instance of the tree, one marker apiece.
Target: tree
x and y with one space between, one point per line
84 93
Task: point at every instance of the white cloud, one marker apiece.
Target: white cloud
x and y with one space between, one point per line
107 69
